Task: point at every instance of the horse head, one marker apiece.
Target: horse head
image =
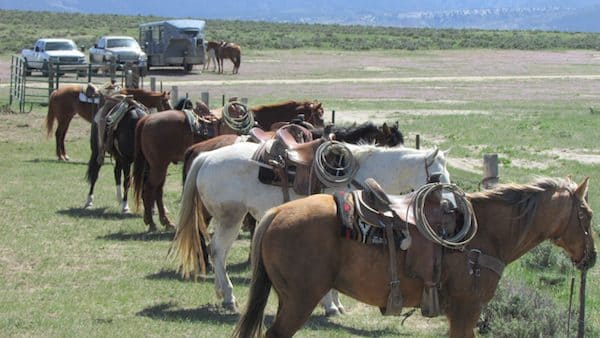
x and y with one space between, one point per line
165 101
313 113
435 167
389 136
575 235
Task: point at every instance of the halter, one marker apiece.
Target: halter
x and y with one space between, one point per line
432 177
576 207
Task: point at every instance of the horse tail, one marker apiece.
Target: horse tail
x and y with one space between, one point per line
93 168
186 245
139 162
250 323
238 60
52 112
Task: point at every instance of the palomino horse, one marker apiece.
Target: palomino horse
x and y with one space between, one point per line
231 51
212 50
64 104
120 146
286 111
298 251
224 181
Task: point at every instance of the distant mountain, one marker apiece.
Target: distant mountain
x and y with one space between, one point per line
580 15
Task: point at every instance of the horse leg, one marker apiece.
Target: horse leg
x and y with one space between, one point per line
329 305
228 223
162 210
117 172
126 182
93 168
249 225
60 135
463 315
293 311
336 300
148 199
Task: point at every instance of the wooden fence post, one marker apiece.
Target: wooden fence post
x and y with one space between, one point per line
333 117
204 98
490 171
418 141
153 83
174 94
244 100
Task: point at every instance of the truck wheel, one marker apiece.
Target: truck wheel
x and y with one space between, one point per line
188 68
45 69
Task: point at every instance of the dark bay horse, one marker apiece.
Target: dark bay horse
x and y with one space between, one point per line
120 146
286 111
231 51
64 104
298 250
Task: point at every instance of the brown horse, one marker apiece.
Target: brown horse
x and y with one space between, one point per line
286 111
231 51
64 104
299 251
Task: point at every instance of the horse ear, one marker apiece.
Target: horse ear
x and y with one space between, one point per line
447 151
432 155
386 129
582 189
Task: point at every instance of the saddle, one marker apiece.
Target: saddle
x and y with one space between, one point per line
204 126
288 155
373 217
91 93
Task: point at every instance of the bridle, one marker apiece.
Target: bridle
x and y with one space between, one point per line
432 177
577 209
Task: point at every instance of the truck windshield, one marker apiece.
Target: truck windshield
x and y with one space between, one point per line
112 43
60 45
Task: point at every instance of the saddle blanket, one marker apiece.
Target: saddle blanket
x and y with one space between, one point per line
86 99
353 228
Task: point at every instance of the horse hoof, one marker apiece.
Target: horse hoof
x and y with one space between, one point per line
332 312
230 306
152 228
169 227
125 211
342 310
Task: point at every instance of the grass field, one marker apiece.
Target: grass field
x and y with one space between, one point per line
66 271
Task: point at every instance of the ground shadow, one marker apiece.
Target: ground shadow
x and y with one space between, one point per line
140 236
212 313
95 213
239 267
48 160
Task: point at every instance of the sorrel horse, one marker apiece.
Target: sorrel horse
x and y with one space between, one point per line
64 104
231 51
120 146
286 111
299 252
224 183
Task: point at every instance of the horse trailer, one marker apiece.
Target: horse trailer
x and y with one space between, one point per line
178 43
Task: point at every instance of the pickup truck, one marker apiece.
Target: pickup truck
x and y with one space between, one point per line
121 49
45 51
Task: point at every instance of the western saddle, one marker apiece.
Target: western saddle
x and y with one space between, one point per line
371 211
289 154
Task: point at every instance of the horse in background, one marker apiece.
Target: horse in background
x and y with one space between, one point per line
231 51
298 250
266 115
118 140
212 50
65 103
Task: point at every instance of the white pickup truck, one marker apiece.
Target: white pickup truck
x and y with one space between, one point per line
121 49
55 51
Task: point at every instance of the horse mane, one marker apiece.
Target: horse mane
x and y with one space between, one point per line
355 133
524 197
140 91
184 103
274 106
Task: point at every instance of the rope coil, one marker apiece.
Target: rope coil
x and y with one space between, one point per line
241 124
467 231
334 165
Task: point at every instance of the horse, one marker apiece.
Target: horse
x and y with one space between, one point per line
224 183
231 51
266 115
121 148
299 252
212 50
65 103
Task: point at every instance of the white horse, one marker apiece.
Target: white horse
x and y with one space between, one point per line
225 182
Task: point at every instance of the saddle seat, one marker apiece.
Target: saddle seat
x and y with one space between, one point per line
260 136
290 152
377 208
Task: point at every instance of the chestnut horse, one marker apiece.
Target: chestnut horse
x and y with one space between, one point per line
231 51
64 104
212 52
286 111
299 252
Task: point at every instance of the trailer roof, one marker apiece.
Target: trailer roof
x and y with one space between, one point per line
179 23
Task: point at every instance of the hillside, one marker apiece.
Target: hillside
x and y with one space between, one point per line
485 14
18 30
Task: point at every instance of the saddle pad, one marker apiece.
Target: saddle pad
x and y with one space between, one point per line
87 99
197 126
354 228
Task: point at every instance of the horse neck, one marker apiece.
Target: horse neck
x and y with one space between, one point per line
506 234
395 169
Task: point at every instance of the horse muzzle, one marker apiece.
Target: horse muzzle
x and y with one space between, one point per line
588 261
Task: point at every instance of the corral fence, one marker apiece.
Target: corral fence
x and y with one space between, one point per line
28 89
